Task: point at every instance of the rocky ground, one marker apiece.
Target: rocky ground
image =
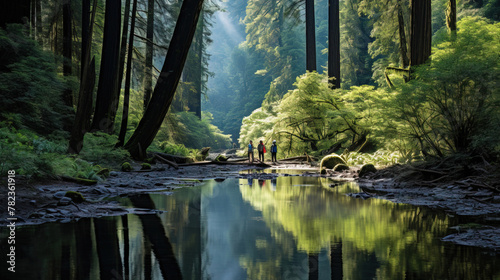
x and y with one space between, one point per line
45 201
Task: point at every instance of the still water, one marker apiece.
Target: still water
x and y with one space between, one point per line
287 228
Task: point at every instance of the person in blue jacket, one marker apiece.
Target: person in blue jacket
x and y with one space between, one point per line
274 151
250 151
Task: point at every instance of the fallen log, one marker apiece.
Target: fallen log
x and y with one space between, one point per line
171 163
258 163
86 182
174 158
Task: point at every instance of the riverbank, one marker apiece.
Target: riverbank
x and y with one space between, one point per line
44 201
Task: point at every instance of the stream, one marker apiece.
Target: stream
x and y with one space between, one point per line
290 227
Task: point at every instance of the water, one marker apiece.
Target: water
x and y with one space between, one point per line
289 228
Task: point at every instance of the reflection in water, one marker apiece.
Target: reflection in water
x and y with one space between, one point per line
289 228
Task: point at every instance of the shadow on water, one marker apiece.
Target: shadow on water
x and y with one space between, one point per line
285 228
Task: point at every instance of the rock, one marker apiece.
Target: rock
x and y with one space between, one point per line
64 201
331 161
366 169
322 172
126 167
340 167
113 174
145 166
33 202
104 172
100 190
59 194
75 196
35 216
51 211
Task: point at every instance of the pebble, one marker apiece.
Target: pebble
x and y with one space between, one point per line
64 201
59 194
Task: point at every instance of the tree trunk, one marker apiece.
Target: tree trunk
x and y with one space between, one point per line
451 16
199 67
421 31
67 49
126 94
168 80
334 42
84 108
33 18
310 37
123 48
148 71
403 50
85 33
38 10
107 100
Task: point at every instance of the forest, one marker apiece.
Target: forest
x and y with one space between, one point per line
88 85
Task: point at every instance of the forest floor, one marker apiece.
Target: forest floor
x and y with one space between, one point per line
475 202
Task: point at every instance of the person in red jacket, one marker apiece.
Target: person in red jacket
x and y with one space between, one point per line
262 149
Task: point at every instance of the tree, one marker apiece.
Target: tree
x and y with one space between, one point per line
126 95
451 16
84 108
107 99
421 31
67 49
148 70
310 37
334 42
168 80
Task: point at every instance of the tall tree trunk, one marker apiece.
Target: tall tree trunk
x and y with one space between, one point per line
85 33
451 16
168 80
85 96
107 99
123 48
199 67
67 49
33 19
334 42
310 37
38 10
421 31
148 70
403 50
126 248
126 94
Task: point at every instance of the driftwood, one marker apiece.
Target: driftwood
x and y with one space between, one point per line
174 158
257 163
299 158
164 160
86 182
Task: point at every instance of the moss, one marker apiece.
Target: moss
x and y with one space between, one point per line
221 158
104 172
145 166
330 161
366 169
150 160
126 167
340 167
75 196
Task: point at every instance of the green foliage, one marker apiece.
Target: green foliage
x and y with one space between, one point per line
100 148
452 105
31 89
175 149
381 157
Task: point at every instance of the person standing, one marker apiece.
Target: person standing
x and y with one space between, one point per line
274 151
250 151
262 149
